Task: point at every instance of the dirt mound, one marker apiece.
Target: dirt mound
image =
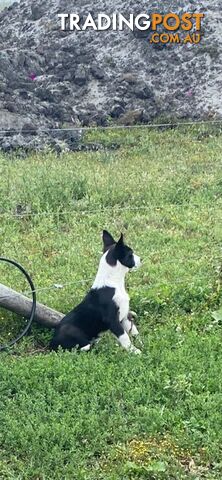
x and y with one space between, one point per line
51 78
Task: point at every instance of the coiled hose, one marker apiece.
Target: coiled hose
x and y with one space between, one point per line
33 309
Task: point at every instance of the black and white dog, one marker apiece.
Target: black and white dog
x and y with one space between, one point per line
106 306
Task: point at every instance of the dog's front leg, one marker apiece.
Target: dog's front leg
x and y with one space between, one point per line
118 330
125 342
129 326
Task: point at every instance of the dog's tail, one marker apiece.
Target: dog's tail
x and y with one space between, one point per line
54 344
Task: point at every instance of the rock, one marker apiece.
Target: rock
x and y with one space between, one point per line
5 145
37 12
131 117
44 94
81 76
24 94
116 111
129 78
17 141
11 121
59 146
143 91
10 106
29 129
5 64
97 72
93 118
69 135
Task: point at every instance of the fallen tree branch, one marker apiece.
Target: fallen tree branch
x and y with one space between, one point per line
17 303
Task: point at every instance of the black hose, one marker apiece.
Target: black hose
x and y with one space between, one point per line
33 309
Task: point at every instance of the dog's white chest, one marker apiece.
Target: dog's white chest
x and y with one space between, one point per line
121 299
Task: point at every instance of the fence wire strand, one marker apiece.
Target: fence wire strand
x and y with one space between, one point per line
106 208
111 127
62 286
148 286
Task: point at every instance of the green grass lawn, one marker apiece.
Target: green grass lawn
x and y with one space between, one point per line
107 414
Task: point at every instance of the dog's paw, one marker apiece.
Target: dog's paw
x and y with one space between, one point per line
138 340
135 350
86 348
132 315
134 332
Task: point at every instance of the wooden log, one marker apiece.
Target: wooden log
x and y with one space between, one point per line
17 303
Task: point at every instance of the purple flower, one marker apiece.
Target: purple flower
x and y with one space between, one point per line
32 76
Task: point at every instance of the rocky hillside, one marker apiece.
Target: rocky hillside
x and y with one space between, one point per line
50 78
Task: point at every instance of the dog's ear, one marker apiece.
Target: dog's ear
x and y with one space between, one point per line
108 240
121 240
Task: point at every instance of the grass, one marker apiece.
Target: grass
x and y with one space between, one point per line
107 414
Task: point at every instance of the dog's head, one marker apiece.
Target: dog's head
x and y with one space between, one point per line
119 251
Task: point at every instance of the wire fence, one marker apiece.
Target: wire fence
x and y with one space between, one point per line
104 209
54 287
147 286
150 285
111 127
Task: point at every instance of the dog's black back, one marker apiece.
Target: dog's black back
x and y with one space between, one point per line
86 321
